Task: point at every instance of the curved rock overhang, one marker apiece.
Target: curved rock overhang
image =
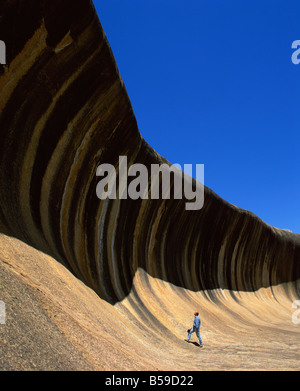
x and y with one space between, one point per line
64 110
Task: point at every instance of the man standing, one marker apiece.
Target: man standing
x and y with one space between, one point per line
195 328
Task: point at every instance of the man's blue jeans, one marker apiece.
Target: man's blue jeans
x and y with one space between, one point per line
197 331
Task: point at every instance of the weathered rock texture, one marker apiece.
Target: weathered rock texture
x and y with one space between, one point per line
64 110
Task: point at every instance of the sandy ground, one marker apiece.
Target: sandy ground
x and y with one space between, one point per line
55 322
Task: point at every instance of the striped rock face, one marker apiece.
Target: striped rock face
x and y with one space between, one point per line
64 111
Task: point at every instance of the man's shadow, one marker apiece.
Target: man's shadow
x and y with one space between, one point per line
194 343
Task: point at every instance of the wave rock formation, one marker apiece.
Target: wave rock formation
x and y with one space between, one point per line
64 110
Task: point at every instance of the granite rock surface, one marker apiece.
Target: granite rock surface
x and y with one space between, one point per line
106 284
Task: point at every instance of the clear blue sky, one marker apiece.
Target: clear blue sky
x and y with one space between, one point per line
213 82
